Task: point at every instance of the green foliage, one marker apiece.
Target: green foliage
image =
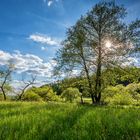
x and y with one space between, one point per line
41 121
120 99
121 95
70 94
31 96
1 97
45 93
134 90
110 91
125 76
110 77
57 87
8 98
78 82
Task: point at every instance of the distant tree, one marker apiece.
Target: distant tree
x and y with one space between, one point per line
27 84
31 96
77 82
44 92
5 77
70 94
80 83
57 87
98 40
116 76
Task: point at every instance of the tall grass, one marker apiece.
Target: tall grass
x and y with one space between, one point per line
53 121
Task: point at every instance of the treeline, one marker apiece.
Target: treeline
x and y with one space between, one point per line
115 82
120 86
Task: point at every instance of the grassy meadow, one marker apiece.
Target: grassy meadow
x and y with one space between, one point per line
58 121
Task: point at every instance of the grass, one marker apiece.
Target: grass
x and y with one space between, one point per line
55 121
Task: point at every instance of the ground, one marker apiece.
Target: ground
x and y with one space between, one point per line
59 121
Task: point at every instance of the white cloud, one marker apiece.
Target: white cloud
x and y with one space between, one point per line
50 3
39 38
131 61
28 63
43 48
4 57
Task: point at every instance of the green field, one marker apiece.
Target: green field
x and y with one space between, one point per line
52 121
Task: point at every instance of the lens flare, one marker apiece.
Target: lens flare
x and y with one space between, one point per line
108 44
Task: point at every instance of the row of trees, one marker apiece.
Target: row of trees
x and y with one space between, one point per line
111 77
70 89
99 40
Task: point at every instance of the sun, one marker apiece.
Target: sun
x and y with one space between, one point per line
108 44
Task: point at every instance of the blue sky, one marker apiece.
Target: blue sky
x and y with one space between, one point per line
22 18
33 29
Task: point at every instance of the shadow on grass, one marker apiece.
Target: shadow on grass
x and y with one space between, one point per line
54 121
63 124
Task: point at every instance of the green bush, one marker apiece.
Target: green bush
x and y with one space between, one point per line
110 91
121 99
70 94
45 93
134 90
118 95
31 96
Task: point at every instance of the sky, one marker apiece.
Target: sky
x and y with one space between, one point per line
31 31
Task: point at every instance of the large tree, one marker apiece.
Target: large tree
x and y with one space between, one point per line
97 41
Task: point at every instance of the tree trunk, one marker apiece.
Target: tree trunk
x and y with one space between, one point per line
98 77
20 96
88 77
82 99
3 92
98 84
90 85
93 97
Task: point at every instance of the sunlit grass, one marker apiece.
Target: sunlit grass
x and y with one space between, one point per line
59 121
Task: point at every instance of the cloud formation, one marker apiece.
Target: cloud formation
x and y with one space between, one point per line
40 38
50 3
44 48
28 63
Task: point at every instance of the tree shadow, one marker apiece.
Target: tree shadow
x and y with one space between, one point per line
63 124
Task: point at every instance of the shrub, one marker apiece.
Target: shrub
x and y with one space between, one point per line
110 91
121 99
118 95
134 90
70 94
44 92
31 96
